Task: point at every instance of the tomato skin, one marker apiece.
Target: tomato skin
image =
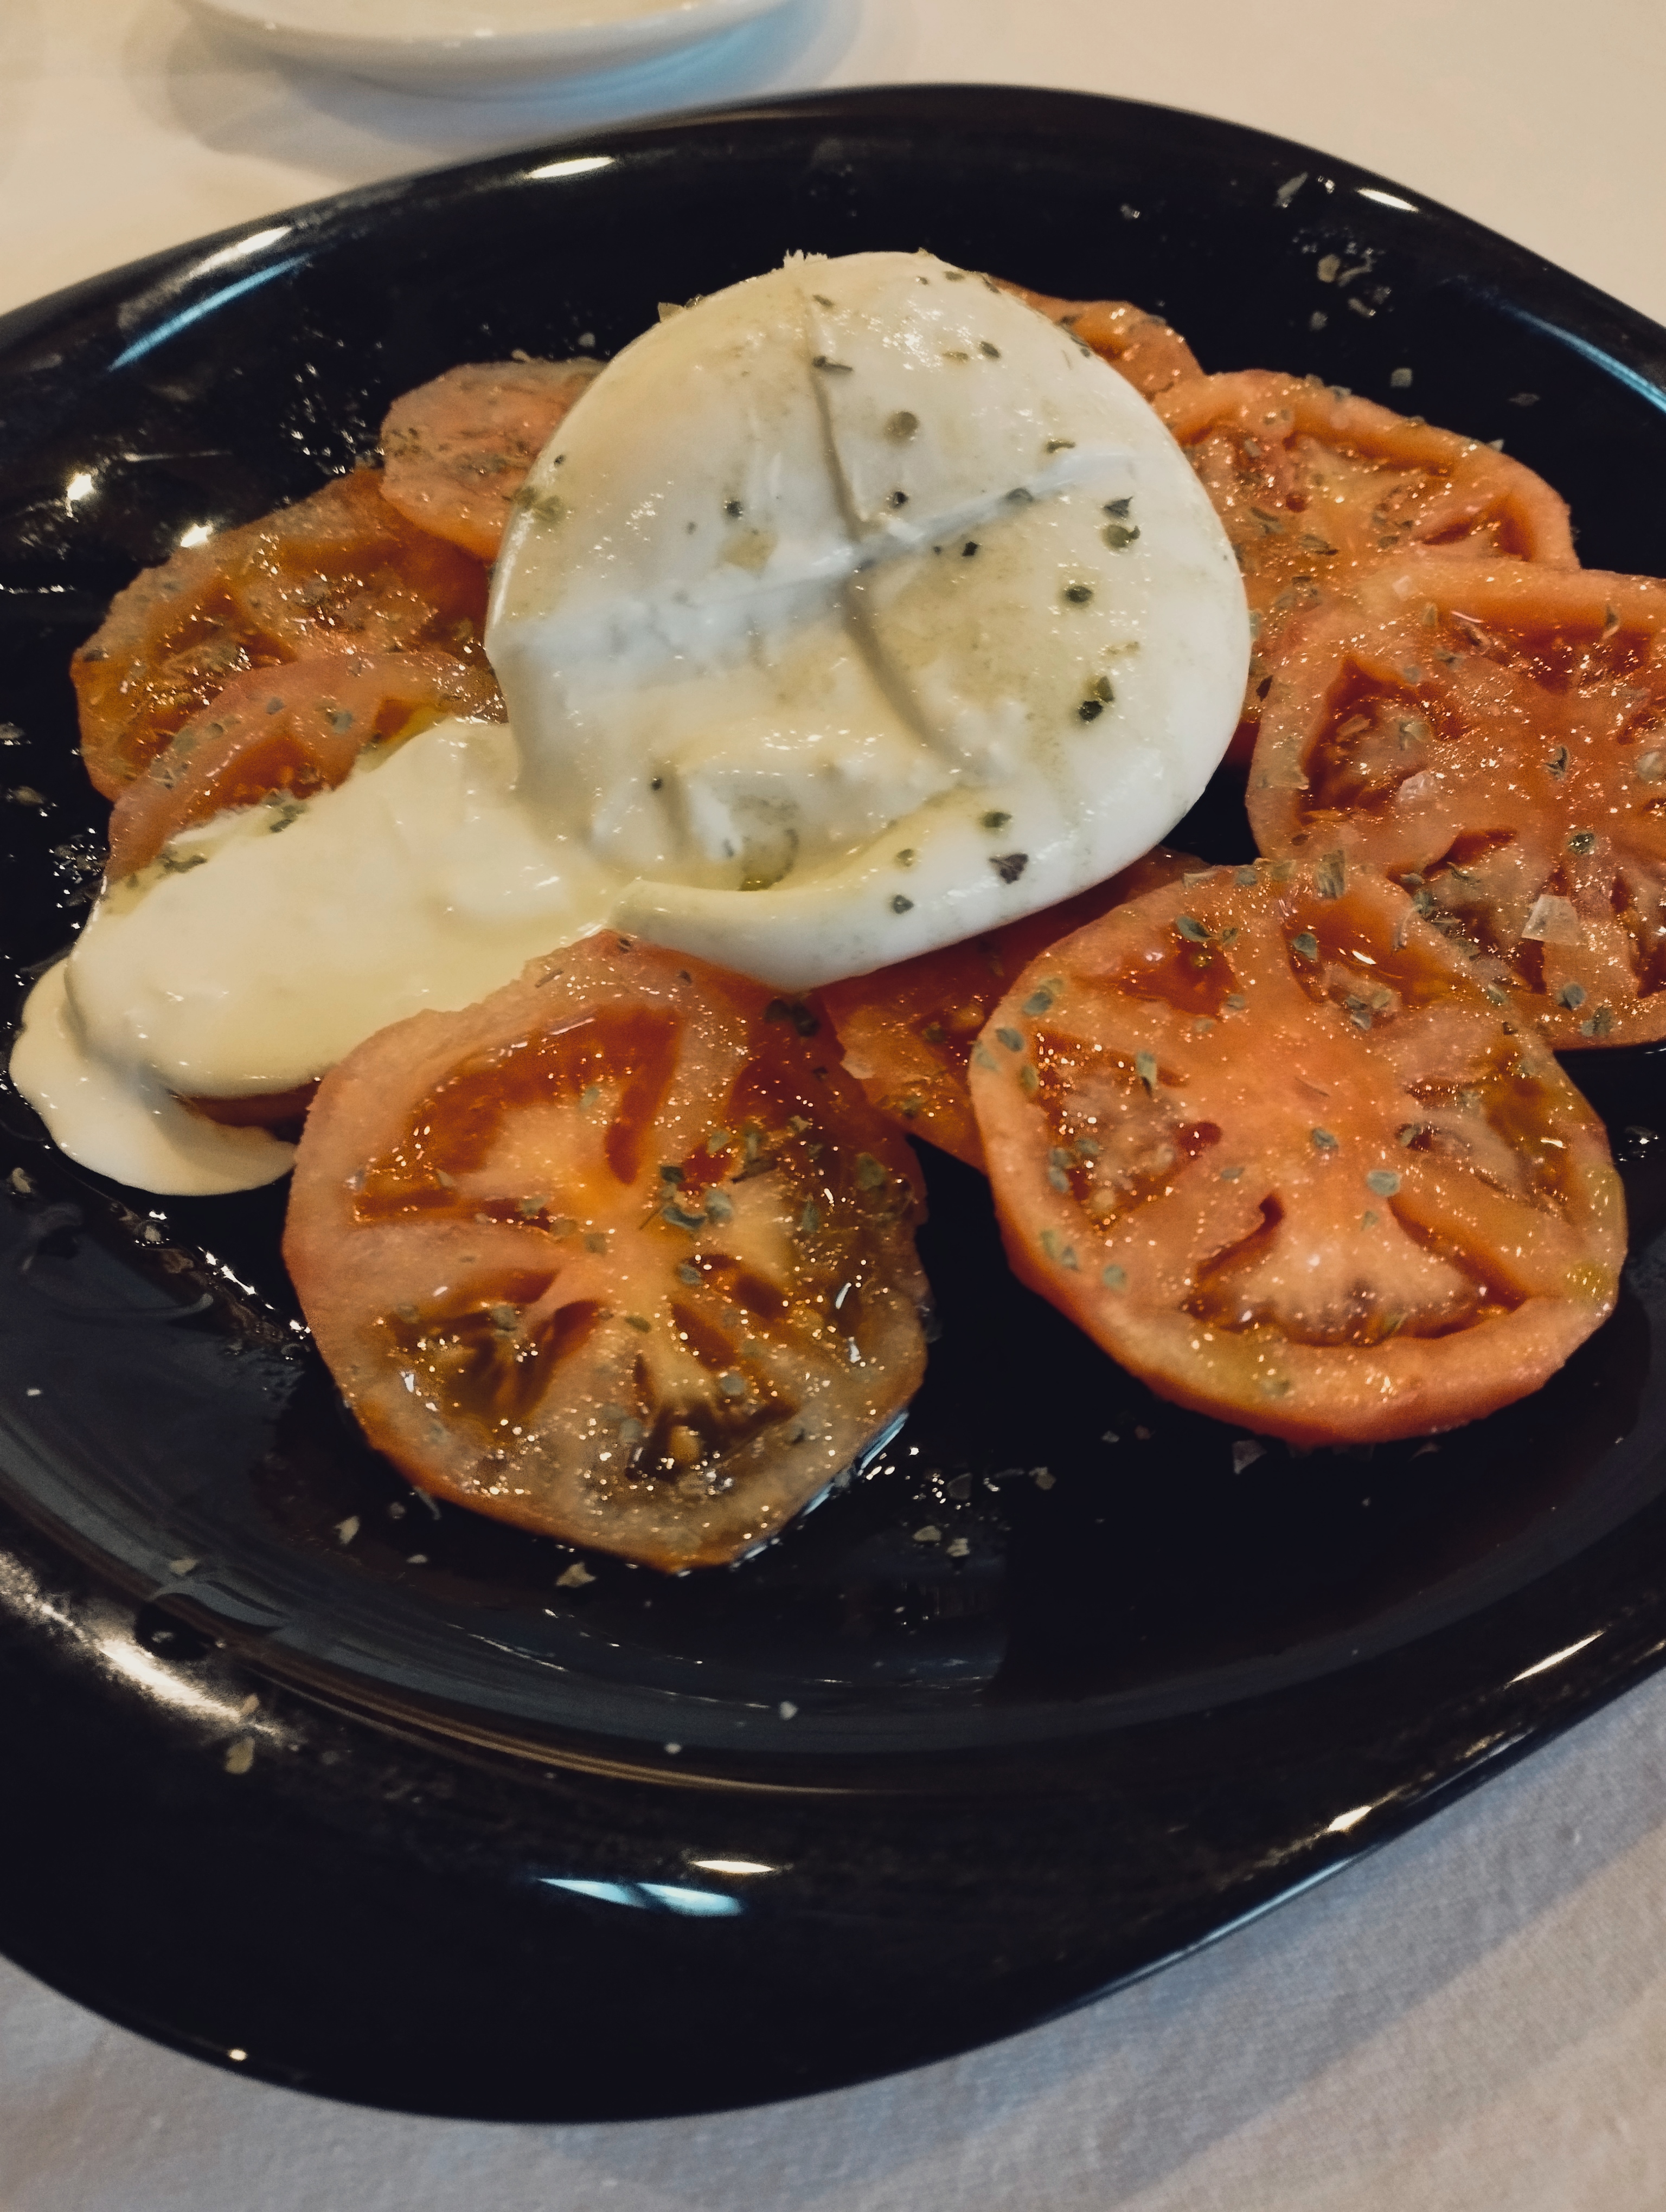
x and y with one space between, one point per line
1139 346
293 730
457 449
907 1030
1267 1140
338 572
556 1285
1318 488
1490 736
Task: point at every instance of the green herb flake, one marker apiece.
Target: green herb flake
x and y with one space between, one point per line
1232 1175
1011 1039
1029 1081
731 1385
810 1220
996 820
1306 947
1090 710
589 1096
718 1206
1119 536
1040 1001
689 1275
1558 762
1330 875
1600 1024
1114 1278
900 905
640 1322
1189 927
1077 595
1571 995
1145 1067
670 1173
719 1141
1323 1141
1582 841
1383 1183
870 1175
680 1217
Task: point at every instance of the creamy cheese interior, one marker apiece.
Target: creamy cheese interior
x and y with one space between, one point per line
277 939
853 610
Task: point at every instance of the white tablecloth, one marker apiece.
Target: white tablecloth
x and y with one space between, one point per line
1473 2020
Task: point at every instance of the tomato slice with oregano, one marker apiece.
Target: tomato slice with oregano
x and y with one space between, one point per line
1316 488
620 1254
1141 347
340 572
1493 735
458 450
906 1031
288 733
1266 1140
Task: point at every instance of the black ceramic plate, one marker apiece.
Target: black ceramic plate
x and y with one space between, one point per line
414 1818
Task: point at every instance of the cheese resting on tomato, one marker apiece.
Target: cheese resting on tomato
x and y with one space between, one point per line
859 608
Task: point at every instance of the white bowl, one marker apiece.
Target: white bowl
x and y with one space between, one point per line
474 48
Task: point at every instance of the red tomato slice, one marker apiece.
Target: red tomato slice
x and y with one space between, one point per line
284 1111
906 1031
1265 1137
1316 489
616 1254
291 730
1140 347
1494 736
341 572
458 450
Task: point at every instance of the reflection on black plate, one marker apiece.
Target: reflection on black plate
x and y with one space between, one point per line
346 1791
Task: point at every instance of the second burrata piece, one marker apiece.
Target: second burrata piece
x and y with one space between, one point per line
857 609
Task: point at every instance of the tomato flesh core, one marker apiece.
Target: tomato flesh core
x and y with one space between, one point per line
1495 739
1316 489
338 572
907 1030
1264 1136
458 450
633 1261
288 733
